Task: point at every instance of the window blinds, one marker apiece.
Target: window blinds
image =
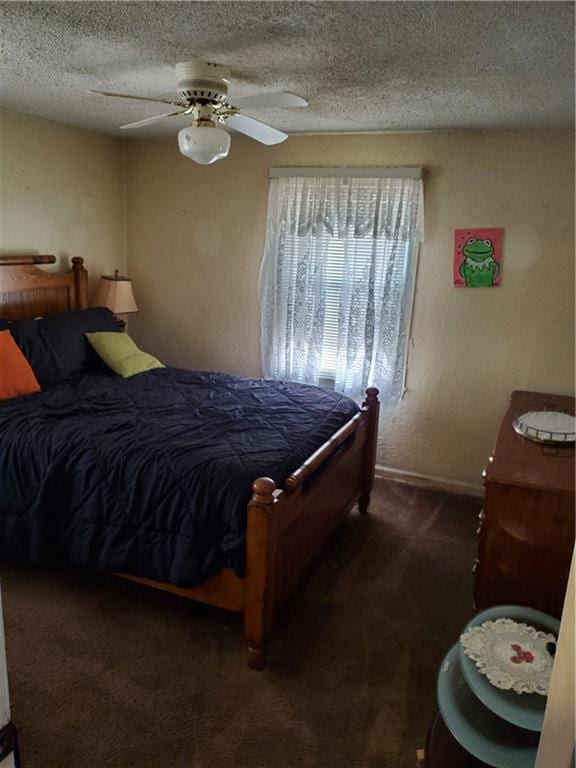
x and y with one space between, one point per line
336 280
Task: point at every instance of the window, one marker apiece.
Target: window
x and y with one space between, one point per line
337 280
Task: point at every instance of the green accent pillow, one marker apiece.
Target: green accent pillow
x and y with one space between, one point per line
120 353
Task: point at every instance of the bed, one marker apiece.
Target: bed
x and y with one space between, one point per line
269 469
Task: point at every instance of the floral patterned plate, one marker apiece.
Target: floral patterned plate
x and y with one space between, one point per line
513 656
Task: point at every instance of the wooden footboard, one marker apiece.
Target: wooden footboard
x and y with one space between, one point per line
287 528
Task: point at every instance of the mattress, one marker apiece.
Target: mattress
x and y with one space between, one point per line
151 475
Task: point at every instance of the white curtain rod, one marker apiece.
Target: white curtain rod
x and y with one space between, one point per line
346 172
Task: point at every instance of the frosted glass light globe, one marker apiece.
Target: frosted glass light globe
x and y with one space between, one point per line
204 144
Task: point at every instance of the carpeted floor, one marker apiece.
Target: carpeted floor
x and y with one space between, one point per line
105 673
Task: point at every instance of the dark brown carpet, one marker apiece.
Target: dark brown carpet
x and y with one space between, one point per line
105 673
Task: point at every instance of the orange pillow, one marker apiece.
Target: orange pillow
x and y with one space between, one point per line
16 376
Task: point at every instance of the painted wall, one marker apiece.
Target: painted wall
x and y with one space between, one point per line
195 239
62 193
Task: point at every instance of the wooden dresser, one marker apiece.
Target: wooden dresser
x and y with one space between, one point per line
527 524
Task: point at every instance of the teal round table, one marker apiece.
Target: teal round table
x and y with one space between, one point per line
480 731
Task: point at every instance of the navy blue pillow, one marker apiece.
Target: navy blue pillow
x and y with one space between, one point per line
42 359
64 334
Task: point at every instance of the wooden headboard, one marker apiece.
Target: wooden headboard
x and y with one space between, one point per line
27 291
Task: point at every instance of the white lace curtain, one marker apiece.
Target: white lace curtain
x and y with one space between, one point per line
336 280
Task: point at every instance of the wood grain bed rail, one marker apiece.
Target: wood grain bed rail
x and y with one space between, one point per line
318 458
10 260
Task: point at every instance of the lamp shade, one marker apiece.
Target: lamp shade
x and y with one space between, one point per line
204 143
115 292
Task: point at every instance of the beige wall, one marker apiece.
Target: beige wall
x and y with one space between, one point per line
61 192
195 238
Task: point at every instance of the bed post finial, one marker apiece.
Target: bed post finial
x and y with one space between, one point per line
260 552
371 404
371 396
263 488
80 283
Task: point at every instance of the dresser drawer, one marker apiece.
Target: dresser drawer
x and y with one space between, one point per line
525 546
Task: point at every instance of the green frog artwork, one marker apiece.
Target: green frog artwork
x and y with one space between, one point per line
477 258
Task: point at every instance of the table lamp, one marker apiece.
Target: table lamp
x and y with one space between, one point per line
115 292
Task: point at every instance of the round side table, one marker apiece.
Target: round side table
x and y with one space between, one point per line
478 725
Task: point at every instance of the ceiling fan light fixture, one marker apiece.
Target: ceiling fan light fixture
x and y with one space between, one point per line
203 98
205 143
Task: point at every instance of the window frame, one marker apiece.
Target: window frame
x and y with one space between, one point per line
407 172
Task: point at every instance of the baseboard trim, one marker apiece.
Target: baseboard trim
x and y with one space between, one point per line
442 483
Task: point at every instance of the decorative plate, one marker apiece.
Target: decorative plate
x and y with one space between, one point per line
526 712
546 426
513 656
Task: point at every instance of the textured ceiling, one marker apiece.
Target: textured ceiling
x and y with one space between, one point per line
363 66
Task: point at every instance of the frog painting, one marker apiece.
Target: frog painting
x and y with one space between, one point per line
477 257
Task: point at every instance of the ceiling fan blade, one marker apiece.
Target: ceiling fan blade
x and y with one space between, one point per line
275 99
255 129
147 120
139 98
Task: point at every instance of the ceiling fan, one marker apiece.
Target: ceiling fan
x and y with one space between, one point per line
203 95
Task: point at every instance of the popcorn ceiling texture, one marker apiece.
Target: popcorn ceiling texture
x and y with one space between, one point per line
363 66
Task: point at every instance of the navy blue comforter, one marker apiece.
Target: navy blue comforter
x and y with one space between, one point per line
150 475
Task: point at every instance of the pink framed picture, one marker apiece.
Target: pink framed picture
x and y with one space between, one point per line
477 257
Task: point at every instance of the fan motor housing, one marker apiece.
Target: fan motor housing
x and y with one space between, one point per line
198 80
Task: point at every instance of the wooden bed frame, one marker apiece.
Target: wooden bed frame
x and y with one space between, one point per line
286 527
